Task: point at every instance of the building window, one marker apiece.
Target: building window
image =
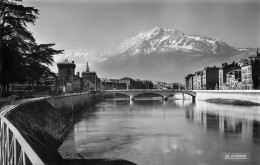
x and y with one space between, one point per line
69 72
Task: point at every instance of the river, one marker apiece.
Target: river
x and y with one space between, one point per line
155 132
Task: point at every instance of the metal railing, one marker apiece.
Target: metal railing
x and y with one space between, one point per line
148 90
14 149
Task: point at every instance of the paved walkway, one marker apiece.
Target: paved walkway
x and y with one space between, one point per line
8 105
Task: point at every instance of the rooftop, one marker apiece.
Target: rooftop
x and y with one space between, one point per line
66 62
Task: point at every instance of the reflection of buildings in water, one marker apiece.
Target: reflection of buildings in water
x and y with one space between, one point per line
179 103
232 126
212 121
239 112
189 112
189 115
256 132
226 123
182 103
194 115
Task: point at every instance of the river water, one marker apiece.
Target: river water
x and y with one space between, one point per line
155 132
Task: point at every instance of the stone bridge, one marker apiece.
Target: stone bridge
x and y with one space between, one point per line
164 93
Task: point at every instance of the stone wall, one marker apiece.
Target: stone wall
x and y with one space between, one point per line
44 122
246 95
74 102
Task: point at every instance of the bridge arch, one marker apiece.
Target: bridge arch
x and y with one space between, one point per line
154 93
111 93
164 93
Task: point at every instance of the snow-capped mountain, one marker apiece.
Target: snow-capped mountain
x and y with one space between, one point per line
157 54
162 40
165 54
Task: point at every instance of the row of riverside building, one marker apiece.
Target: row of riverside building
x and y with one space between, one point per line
68 81
244 75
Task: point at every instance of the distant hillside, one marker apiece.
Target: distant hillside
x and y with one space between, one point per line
160 54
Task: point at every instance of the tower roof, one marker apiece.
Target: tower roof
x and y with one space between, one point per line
66 63
87 69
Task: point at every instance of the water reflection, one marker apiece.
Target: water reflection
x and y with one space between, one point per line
170 132
230 121
256 132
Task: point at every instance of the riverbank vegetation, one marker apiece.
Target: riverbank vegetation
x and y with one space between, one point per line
232 102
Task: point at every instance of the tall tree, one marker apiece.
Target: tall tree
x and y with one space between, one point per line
13 67
14 35
38 60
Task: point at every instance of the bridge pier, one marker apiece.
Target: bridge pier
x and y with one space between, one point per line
165 98
193 99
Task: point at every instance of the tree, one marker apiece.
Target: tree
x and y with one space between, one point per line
13 30
38 60
21 59
13 67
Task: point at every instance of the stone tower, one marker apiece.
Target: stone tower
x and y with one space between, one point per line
66 71
87 69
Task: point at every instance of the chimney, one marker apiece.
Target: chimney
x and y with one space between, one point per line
224 64
78 74
73 62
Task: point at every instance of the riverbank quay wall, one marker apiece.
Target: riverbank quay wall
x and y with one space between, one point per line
43 124
68 104
245 95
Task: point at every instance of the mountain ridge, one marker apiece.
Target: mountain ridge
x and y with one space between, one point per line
159 54
165 40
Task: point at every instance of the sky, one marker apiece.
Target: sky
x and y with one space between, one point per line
104 24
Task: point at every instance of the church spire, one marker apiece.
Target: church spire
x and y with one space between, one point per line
87 70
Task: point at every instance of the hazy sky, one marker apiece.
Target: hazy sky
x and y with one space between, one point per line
104 24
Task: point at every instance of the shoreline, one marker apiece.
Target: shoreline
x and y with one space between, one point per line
232 102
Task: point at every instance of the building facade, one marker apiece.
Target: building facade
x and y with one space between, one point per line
233 80
197 85
210 78
77 83
67 78
250 72
189 82
69 82
90 80
226 68
107 85
244 75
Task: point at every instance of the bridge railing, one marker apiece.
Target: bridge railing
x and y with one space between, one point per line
14 150
147 90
